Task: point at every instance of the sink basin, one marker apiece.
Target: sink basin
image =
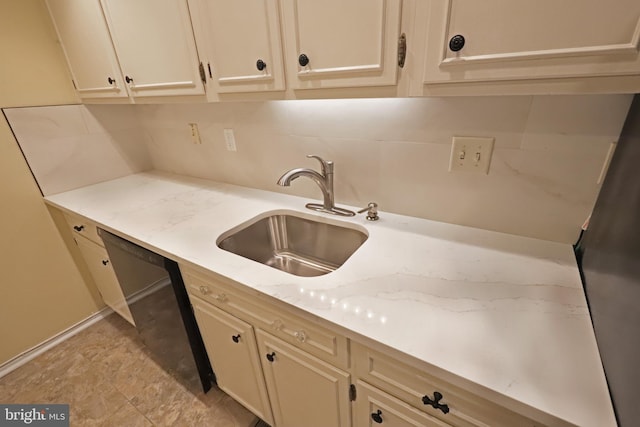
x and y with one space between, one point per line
294 243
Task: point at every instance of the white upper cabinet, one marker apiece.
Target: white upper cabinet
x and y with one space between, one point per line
544 39
341 43
87 46
240 44
275 49
122 48
155 46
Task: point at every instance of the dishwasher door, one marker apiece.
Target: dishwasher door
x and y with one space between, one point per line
158 301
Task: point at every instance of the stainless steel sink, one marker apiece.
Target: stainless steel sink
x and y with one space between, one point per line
295 244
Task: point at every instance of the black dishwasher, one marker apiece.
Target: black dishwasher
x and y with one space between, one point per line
160 307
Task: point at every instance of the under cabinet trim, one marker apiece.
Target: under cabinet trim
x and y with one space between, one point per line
245 79
172 85
339 71
618 49
99 89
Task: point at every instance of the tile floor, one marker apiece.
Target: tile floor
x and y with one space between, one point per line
107 377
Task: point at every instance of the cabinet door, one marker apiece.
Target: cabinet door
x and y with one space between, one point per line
241 44
99 265
155 45
233 353
532 40
374 407
346 43
304 391
85 39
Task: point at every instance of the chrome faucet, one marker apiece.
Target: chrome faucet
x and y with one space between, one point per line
324 181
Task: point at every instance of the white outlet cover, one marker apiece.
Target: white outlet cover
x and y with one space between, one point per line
230 140
471 154
195 133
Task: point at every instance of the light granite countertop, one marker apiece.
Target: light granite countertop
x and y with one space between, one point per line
504 314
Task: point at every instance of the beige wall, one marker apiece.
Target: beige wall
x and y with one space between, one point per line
42 291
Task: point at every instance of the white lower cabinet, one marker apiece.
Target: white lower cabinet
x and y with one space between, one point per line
231 345
104 277
374 407
304 390
293 376
96 258
416 387
293 371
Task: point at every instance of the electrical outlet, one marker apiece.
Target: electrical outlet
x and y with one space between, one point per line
472 154
230 139
195 133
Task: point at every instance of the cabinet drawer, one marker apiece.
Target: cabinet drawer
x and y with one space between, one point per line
373 407
322 343
83 227
412 385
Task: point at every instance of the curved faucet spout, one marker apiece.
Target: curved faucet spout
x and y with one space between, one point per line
324 181
287 177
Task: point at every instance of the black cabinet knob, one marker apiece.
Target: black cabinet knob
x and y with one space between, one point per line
236 338
78 228
261 65
377 416
105 261
271 356
456 43
128 79
303 60
435 402
111 81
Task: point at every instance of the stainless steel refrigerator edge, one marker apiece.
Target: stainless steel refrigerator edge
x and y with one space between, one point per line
609 257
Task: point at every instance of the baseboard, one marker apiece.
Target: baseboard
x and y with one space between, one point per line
48 344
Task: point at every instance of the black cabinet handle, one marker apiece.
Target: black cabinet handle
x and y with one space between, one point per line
111 81
236 338
128 79
303 60
456 43
271 356
377 416
78 228
435 402
105 261
261 65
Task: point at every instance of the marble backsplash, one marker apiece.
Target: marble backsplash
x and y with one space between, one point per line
67 147
543 181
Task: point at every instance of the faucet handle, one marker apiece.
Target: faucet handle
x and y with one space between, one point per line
372 211
327 165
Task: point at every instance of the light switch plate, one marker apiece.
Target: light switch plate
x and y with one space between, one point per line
471 154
